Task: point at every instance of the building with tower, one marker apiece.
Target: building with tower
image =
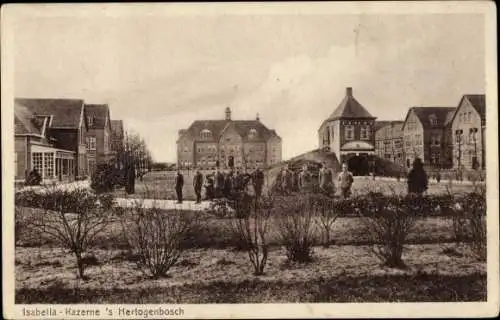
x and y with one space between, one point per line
226 143
349 133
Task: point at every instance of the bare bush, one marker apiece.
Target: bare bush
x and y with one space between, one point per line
155 236
295 226
390 220
327 212
474 209
252 227
72 218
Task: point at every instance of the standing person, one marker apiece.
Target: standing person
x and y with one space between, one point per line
197 184
417 178
258 180
305 179
287 180
209 187
179 184
228 185
295 180
219 183
326 184
130 179
345 180
278 181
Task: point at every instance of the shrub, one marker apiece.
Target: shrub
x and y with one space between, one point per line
106 177
326 215
389 223
295 226
72 218
252 227
474 210
155 236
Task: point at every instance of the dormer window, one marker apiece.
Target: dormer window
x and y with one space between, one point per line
252 134
206 134
433 120
90 121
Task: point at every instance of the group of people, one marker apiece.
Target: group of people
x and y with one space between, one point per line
219 184
289 181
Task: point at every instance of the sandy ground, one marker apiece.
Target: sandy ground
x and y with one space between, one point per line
48 267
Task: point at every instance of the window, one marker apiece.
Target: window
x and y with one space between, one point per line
92 143
458 136
349 132
48 164
106 142
90 120
206 134
365 133
435 158
473 135
435 140
37 162
397 144
433 120
252 134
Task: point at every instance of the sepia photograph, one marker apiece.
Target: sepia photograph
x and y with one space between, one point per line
180 155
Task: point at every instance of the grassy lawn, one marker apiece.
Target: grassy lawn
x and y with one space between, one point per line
338 274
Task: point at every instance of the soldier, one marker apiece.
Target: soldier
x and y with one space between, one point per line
345 180
305 179
197 184
258 181
287 180
219 184
179 184
209 187
228 185
326 184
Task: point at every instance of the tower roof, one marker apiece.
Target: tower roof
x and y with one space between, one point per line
350 108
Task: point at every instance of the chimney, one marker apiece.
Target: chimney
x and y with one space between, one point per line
228 113
348 91
257 117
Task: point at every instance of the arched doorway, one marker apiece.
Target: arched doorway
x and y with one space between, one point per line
361 164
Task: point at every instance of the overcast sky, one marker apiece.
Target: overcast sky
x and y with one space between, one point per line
161 73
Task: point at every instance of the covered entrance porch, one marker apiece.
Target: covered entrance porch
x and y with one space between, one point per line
359 157
53 164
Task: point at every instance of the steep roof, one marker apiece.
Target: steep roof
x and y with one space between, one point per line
443 115
478 101
217 128
24 121
117 127
66 112
382 123
350 108
99 114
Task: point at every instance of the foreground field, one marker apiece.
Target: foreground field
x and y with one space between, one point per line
339 274
161 185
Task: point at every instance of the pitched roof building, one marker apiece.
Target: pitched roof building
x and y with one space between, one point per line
241 143
50 136
99 134
349 133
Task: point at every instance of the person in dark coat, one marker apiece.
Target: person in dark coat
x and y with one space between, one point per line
209 187
179 184
258 181
219 184
417 178
228 185
197 184
130 187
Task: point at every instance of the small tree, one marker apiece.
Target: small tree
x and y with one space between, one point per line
327 213
155 236
73 219
295 226
252 228
474 209
390 220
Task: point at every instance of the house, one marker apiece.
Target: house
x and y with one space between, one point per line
50 136
226 143
99 134
389 141
349 133
427 135
468 126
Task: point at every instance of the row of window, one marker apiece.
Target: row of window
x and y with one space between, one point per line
48 166
470 139
206 134
364 134
465 117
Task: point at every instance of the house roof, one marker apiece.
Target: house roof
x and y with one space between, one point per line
349 107
217 127
478 101
66 112
443 115
25 122
117 127
99 113
382 123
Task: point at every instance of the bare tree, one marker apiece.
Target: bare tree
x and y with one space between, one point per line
73 219
252 228
327 214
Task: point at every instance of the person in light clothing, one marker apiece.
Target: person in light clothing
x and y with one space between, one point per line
345 181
